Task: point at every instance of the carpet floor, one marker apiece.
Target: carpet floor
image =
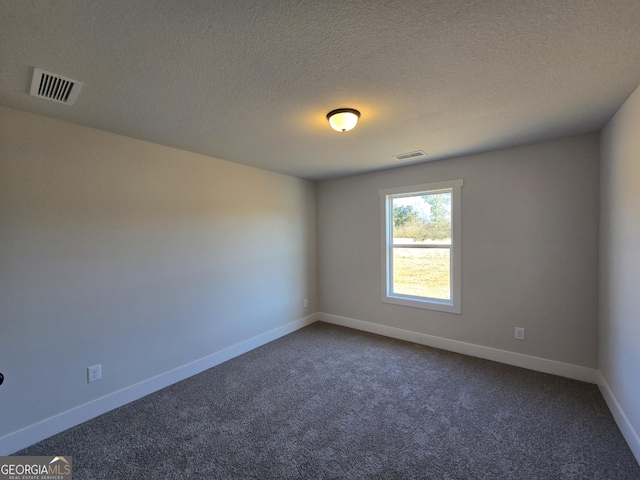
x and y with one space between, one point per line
329 402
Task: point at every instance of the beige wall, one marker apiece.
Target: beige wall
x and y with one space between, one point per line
620 265
136 256
529 249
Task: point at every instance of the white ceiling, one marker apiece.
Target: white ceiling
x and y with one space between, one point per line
251 80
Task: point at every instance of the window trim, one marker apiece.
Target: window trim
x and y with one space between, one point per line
454 305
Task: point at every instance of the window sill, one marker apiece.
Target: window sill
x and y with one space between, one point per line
444 306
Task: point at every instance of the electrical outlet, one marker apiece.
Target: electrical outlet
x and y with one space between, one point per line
94 373
520 333
306 303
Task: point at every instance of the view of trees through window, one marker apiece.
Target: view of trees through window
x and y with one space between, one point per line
422 219
422 245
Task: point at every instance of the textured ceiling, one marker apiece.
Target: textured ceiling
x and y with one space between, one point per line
251 81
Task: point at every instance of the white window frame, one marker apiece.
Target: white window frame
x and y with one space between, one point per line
454 304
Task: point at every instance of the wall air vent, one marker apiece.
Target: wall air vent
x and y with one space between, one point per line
54 87
417 155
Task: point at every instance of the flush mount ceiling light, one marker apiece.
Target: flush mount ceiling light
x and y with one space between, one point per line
343 119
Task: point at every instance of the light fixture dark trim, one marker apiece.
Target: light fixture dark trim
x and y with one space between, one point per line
343 110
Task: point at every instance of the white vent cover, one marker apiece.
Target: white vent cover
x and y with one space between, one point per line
54 87
417 155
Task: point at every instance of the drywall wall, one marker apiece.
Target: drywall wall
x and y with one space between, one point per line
135 256
529 250
619 352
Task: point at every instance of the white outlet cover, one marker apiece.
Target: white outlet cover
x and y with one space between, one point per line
94 373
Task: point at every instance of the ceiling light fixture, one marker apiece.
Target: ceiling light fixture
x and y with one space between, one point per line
343 119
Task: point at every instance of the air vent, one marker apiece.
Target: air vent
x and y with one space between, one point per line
417 155
54 87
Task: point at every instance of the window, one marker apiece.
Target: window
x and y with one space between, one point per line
421 246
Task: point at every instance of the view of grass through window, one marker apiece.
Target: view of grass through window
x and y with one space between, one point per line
422 245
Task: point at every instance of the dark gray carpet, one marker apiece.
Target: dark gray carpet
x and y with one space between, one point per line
330 402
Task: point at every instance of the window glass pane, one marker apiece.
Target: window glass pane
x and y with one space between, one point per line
422 219
422 272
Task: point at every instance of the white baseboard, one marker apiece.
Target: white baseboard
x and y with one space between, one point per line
39 431
510 358
24 437
628 432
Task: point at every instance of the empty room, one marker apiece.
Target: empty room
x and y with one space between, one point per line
320 239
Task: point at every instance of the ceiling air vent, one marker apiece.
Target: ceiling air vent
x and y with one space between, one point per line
417 155
54 87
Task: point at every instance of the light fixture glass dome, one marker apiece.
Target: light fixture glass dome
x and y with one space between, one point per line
343 119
